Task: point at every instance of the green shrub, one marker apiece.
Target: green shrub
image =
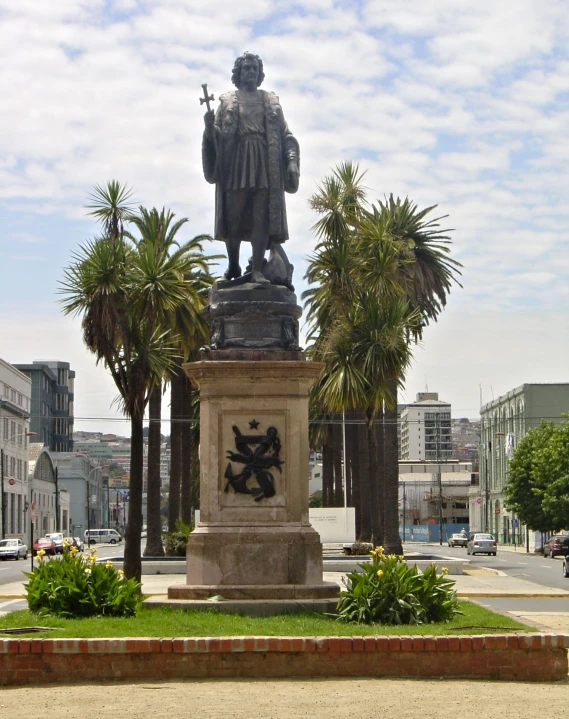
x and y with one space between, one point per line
175 542
78 586
389 591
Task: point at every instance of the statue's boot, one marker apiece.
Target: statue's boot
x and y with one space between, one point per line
232 272
259 278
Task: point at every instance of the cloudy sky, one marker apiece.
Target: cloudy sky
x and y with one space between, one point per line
454 102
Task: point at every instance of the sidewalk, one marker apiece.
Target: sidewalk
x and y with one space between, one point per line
481 583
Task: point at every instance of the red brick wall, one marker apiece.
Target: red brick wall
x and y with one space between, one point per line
534 657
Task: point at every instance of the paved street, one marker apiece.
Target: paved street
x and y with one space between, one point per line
533 567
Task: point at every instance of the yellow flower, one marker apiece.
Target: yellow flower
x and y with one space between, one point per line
74 550
380 572
40 554
401 558
444 570
120 574
391 556
109 564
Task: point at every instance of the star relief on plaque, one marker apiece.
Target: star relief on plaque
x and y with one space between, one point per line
259 456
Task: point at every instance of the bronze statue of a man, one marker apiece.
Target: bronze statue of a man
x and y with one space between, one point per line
252 158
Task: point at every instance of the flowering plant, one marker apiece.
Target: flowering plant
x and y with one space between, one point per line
388 591
79 586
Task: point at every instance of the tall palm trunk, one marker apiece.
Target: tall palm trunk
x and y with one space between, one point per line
186 486
337 454
328 470
375 483
132 559
392 540
176 407
379 421
154 546
354 450
365 492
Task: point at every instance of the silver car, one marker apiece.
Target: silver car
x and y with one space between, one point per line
481 544
13 549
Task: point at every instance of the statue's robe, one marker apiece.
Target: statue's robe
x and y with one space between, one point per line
217 158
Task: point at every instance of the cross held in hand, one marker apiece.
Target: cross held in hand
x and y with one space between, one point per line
206 98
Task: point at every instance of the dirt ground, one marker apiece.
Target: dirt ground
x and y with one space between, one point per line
290 699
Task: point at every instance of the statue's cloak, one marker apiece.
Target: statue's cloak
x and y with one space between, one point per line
217 155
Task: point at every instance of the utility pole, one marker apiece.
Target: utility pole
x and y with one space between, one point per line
439 477
403 510
57 512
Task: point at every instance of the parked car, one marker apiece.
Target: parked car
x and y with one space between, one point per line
48 546
481 544
557 546
57 538
74 542
457 540
13 549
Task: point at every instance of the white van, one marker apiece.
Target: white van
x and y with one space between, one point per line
101 536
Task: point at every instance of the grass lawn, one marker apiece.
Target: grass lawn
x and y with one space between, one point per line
166 622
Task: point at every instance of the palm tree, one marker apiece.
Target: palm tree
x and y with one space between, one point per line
390 255
414 263
193 330
367 347
123 290
158 242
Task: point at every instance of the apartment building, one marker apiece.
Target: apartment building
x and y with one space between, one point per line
504 421
426 429
52 398
15 400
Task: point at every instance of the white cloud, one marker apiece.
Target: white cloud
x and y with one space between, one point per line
448 101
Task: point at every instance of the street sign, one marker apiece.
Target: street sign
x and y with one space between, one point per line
33 512
11 481
515 523
479 500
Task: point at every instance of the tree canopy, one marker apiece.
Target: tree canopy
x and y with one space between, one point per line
537 488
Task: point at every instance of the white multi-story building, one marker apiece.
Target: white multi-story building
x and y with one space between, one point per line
426 429
15 399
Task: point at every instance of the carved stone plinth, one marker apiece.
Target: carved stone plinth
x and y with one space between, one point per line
246 315
254 539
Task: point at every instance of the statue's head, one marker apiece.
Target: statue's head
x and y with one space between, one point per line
245 63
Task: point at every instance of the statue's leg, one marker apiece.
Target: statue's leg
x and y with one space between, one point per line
234 204
260 234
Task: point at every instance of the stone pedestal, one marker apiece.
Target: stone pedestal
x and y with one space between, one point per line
254 540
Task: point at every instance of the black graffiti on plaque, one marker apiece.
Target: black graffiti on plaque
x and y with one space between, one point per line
259 454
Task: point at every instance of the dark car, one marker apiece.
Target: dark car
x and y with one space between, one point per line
557 546
48 546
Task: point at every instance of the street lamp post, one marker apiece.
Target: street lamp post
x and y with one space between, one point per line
2 493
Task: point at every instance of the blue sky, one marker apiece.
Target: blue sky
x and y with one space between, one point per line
447 101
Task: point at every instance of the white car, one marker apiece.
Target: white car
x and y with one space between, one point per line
13 549
481 544
57 539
